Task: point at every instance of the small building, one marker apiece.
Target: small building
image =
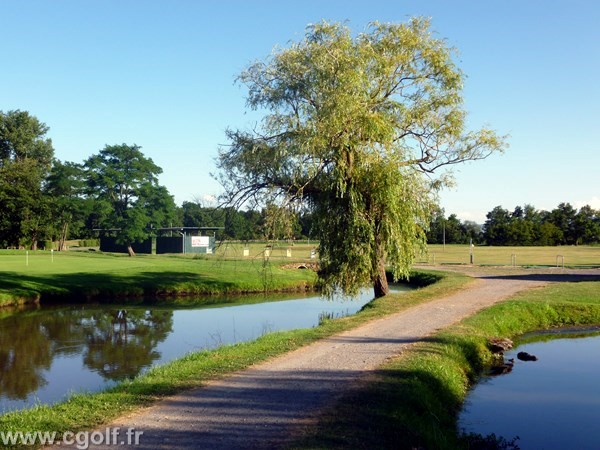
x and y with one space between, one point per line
167 240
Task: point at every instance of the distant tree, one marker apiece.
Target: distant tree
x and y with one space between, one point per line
549 234
307 224
454 230
520 230
254 225
25 159
563 216
197 215
495 228
128 198
236 226
437 227
22 138
472 230
586 226
352 122
64 189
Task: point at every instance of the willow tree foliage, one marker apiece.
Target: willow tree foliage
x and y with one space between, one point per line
353 128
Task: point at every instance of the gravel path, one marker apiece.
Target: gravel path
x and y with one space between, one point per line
262 406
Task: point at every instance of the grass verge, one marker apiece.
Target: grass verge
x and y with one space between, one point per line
414 401
86 411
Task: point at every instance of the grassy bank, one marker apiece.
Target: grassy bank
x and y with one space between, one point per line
89 275
85 411
413 401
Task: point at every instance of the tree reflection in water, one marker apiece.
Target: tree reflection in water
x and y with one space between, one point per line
25 352
121 343
115 343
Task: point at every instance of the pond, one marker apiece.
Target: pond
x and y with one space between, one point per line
48 352
550 403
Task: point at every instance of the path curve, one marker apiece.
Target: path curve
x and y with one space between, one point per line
261 407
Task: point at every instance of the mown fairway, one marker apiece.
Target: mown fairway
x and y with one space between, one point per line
298 250
91 274
573 256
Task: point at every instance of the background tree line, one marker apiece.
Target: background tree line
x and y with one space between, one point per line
564 225
44 199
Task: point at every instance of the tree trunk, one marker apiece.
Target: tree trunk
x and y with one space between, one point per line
34 242
380 283
63 237
130 250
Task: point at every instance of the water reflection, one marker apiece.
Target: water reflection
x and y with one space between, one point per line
48 352
24 352
119 344
115 347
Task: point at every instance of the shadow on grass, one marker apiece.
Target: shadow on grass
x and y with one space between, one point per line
403 407
78 287
399 409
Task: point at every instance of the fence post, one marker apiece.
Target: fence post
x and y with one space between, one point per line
471 257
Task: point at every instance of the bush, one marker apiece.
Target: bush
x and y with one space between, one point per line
89 243
48 245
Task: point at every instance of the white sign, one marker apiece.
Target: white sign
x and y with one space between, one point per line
200 241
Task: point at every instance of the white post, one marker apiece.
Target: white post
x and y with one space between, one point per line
471 250
52 255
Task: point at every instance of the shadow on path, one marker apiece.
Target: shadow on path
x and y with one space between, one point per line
547 277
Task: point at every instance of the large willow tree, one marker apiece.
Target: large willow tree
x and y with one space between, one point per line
354 126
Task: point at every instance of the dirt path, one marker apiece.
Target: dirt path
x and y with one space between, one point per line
262 406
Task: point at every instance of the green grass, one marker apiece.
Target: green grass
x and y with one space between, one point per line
414 401
573 256
87 275
278 249
85 411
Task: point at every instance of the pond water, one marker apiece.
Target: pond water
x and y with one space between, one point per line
48 352
551 403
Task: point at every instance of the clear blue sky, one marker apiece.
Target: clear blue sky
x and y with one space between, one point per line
161 74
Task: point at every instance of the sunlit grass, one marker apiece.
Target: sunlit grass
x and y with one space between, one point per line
83 275
570 256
